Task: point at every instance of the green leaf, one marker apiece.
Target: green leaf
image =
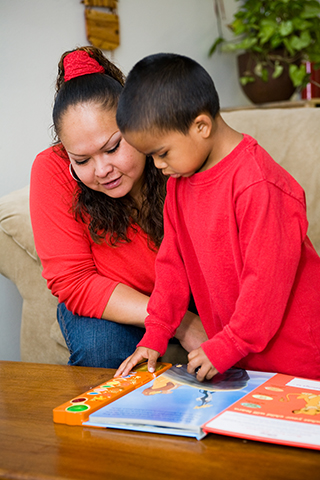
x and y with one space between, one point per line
266 33
258 69
311 11
245 44
278 69
287 44
314 57
245 80
286 28
297 74
229 47
264 75
238 27
300 24
214 46
276 41
267 28
298 43
261 71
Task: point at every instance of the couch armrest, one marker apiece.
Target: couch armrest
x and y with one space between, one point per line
15 220
20 263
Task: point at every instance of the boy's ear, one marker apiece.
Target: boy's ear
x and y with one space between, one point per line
203 125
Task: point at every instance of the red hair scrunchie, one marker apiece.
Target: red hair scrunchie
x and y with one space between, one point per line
80 63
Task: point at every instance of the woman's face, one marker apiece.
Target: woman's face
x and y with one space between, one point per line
99 155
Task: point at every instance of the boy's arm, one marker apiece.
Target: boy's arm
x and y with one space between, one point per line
170 298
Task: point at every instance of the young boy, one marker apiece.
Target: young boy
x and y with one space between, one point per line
235 231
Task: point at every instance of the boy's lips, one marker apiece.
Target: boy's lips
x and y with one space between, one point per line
171 174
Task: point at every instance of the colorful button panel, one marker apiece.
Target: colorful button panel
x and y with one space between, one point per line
77 410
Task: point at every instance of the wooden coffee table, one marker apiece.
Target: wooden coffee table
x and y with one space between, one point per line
33 447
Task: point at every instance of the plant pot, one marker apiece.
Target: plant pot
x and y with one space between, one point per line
274 90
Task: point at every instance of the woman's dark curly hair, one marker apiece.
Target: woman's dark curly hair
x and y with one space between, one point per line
108 218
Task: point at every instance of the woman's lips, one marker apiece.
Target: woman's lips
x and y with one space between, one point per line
112 183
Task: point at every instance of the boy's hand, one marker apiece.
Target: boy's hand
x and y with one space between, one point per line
141 353
198 361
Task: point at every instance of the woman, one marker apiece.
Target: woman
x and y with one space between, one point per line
96 210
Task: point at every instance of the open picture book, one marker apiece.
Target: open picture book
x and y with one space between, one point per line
254 405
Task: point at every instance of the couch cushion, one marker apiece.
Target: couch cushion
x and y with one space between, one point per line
15 220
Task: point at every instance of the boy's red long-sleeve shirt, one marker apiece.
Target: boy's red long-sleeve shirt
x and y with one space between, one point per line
79 272
236 236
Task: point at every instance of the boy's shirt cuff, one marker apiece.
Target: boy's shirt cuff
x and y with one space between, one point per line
155 338
222 352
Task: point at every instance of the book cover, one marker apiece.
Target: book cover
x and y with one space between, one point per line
284 410
176 403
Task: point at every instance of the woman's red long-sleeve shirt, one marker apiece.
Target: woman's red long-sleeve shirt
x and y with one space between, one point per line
79 272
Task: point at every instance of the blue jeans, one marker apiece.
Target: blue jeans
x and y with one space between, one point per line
93 342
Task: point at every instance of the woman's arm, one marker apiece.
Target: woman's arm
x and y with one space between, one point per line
62 243
127 305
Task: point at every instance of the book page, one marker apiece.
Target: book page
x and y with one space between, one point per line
271 429
173 400
284 409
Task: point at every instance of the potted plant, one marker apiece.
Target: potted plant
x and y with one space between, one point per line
276 38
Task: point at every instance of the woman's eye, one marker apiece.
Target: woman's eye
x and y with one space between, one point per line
86 160
114 148
82 162
162 155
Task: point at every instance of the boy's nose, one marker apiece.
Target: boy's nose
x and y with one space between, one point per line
159 163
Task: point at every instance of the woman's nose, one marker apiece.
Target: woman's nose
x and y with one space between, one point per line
102 166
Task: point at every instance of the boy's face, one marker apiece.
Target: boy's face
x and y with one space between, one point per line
176 154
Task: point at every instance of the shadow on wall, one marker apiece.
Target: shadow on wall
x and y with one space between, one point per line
10 320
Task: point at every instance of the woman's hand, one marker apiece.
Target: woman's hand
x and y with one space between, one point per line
141 353
190 332
200 364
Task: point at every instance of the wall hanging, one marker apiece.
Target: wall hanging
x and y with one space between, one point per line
102 28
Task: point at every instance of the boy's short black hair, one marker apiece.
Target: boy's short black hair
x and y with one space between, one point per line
166 92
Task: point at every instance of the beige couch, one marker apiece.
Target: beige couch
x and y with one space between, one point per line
291 136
